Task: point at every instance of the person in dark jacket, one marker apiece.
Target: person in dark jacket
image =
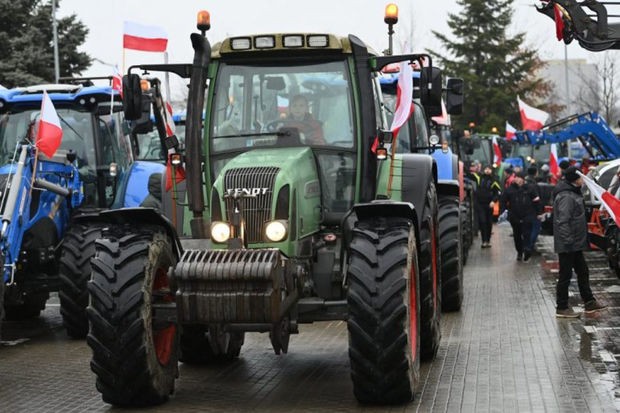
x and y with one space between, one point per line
153 199
570 239
523 205
531 179
486 195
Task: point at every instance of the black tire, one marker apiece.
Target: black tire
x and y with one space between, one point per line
2 288
78 247
429 261
134 356
384 311
30 307
199 345
612 236
450 240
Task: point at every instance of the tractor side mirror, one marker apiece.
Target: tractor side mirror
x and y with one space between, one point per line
385 136
454 96
132 97
430 90
143 124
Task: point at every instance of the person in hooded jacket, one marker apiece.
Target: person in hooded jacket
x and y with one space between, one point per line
153 199
486 195
523 204
570 239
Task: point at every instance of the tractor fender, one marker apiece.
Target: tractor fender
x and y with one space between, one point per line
378 208
418 171
447 165
449 187
139 217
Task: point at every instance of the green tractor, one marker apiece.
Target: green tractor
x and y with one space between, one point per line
290 223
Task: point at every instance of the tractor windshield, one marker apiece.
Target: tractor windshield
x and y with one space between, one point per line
253 103
77 128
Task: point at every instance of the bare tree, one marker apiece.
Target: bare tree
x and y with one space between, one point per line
600 92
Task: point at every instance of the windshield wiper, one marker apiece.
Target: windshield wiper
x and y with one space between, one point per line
70 127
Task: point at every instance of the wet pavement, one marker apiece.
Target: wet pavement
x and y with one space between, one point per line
505 351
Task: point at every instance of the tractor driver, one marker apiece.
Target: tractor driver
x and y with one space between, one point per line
299 117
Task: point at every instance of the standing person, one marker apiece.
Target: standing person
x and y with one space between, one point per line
570 239
486 195
523 205
532 180
509 176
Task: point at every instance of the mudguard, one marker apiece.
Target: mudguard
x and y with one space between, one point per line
418 171
139 217
135 189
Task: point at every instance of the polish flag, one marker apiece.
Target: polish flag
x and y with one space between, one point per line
404 94
608 201
137 36
497 152
554 168
49 134
404 107
170 127
117 81
510 131
531 117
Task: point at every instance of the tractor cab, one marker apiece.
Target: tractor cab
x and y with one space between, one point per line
92 130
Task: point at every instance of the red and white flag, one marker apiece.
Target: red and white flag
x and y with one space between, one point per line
497 152
554 167
559 22
531 117
404 94
137 36
510 131
49 134
117 81
169 122
608 201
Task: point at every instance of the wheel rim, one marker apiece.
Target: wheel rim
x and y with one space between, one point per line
413 312
434 262
163 338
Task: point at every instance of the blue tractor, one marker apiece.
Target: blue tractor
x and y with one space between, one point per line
51 230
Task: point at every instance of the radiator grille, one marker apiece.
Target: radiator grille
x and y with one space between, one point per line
256 210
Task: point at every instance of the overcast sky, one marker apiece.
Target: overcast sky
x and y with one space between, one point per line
363 18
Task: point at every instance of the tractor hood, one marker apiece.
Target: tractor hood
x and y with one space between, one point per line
270 184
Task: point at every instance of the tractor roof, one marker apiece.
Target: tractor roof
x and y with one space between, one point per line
61 94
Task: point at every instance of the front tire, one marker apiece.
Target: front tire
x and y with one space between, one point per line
384 311
78 248
134 355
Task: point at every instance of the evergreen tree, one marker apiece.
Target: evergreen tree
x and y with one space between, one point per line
26 43
496 67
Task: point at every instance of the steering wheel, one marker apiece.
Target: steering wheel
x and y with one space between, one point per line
274 125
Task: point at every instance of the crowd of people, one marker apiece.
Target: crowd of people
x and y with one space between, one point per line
521 201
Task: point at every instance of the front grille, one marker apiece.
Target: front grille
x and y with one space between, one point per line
256 210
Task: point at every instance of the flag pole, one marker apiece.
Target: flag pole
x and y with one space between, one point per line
167 78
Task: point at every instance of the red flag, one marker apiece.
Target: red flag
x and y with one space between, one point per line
608 201
49 134
497 152
510 131
179 175
559 22
531 118
117 81
146 38
554 168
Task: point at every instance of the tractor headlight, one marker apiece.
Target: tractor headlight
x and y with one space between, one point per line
275 231
220 231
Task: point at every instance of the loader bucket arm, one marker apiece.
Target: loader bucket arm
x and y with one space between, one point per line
586 21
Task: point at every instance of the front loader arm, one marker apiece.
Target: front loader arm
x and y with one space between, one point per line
587 21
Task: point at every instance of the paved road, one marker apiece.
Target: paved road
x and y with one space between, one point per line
504 351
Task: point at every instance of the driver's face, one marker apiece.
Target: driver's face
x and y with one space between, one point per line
299 108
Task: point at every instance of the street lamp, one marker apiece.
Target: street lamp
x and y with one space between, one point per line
55 40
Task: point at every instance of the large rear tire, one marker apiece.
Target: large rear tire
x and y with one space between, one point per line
78 247
429 262
384 311
203 345
134 355
450 240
